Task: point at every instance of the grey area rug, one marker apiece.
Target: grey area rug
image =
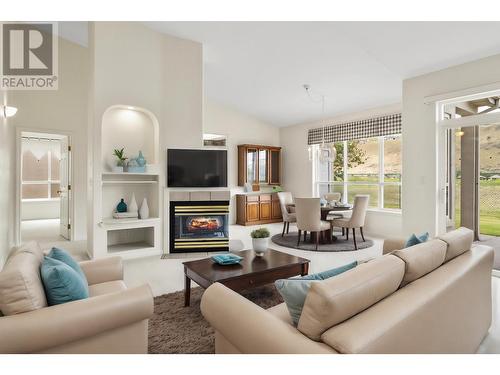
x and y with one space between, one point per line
175 329
290 240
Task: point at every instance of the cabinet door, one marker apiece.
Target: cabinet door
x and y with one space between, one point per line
252 211
275 167
252 165
265 210
263 165
276 209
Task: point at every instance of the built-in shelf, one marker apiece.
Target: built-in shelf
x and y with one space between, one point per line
128 174
109 182
116 224
127 252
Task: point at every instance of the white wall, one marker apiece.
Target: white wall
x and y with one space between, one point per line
133 65
59 111
239 129
420 141
40 209
6 178
298 171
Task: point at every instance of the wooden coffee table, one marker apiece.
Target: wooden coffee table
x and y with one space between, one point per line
252 271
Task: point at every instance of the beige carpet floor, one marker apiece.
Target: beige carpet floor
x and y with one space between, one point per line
175 329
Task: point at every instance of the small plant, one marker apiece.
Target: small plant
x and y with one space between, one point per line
260 233
120 155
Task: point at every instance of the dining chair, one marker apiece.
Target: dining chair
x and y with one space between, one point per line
286 198
357 219
308 211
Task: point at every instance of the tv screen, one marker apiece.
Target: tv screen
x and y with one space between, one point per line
196 168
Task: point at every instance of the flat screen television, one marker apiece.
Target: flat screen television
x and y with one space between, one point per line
196 168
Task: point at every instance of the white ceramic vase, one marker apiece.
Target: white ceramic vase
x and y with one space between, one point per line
260 245
144 210
118 169
132 205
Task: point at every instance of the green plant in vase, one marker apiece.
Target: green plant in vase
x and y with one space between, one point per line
121 162
260 241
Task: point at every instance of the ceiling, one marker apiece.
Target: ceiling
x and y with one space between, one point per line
259 68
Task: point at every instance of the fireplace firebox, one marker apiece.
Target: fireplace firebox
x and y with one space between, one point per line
199 226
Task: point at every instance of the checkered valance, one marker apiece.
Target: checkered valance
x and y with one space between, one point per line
372 127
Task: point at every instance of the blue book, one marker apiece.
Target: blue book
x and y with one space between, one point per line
226 259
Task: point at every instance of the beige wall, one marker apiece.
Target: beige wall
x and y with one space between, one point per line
239 129
298 172
421 196
63 110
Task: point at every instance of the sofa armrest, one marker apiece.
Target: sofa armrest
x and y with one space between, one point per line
52 326
103 270
392 244
250 328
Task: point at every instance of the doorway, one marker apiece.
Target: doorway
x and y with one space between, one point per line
44 181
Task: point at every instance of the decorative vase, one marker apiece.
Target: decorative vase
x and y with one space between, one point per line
144 211
122 206
260 245
140 160
118 169
132 205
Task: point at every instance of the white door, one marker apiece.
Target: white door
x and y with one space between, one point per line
65 188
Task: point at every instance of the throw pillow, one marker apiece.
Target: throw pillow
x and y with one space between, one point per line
414 240
64 257
61 282
294 290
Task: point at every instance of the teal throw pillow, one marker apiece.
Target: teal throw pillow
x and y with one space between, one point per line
415 240
61 282
63 256
294 290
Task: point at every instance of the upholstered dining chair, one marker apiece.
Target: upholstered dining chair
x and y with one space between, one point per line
357 219
308 211
332 197
286 198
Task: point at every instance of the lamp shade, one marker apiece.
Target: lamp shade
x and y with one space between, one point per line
7 111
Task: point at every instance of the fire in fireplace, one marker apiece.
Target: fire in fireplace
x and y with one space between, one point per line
197 226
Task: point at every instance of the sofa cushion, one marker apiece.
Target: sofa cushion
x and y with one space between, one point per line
61 282
415 240
459 241
334 300
421 259
21 288
106 288
64 257
294 290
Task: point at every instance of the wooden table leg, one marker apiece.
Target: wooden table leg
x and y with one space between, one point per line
305 269
187 291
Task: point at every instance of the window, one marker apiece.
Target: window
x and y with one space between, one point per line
40 169
369 166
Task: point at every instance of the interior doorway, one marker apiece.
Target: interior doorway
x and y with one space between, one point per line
44 171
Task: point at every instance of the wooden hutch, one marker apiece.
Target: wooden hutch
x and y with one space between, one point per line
259 166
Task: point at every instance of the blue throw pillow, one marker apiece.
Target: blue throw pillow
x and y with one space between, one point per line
414 240
294 290
61 282
64 257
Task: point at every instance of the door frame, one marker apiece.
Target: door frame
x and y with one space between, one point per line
18 219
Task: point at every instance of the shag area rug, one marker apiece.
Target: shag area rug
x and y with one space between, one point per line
341 244
175 329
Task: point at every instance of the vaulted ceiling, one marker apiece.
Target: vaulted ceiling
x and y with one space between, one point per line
259 68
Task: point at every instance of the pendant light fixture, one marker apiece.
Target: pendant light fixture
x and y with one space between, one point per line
327 153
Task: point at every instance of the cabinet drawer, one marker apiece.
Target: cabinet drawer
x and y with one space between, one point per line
265 197
252 198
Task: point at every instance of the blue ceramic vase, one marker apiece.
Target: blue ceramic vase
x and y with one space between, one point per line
122 206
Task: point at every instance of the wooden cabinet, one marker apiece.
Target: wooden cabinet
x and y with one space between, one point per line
253 209
259 165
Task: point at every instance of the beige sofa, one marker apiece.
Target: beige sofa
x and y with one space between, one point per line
113 319
430 298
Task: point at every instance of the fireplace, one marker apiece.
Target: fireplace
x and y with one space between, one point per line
199 226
